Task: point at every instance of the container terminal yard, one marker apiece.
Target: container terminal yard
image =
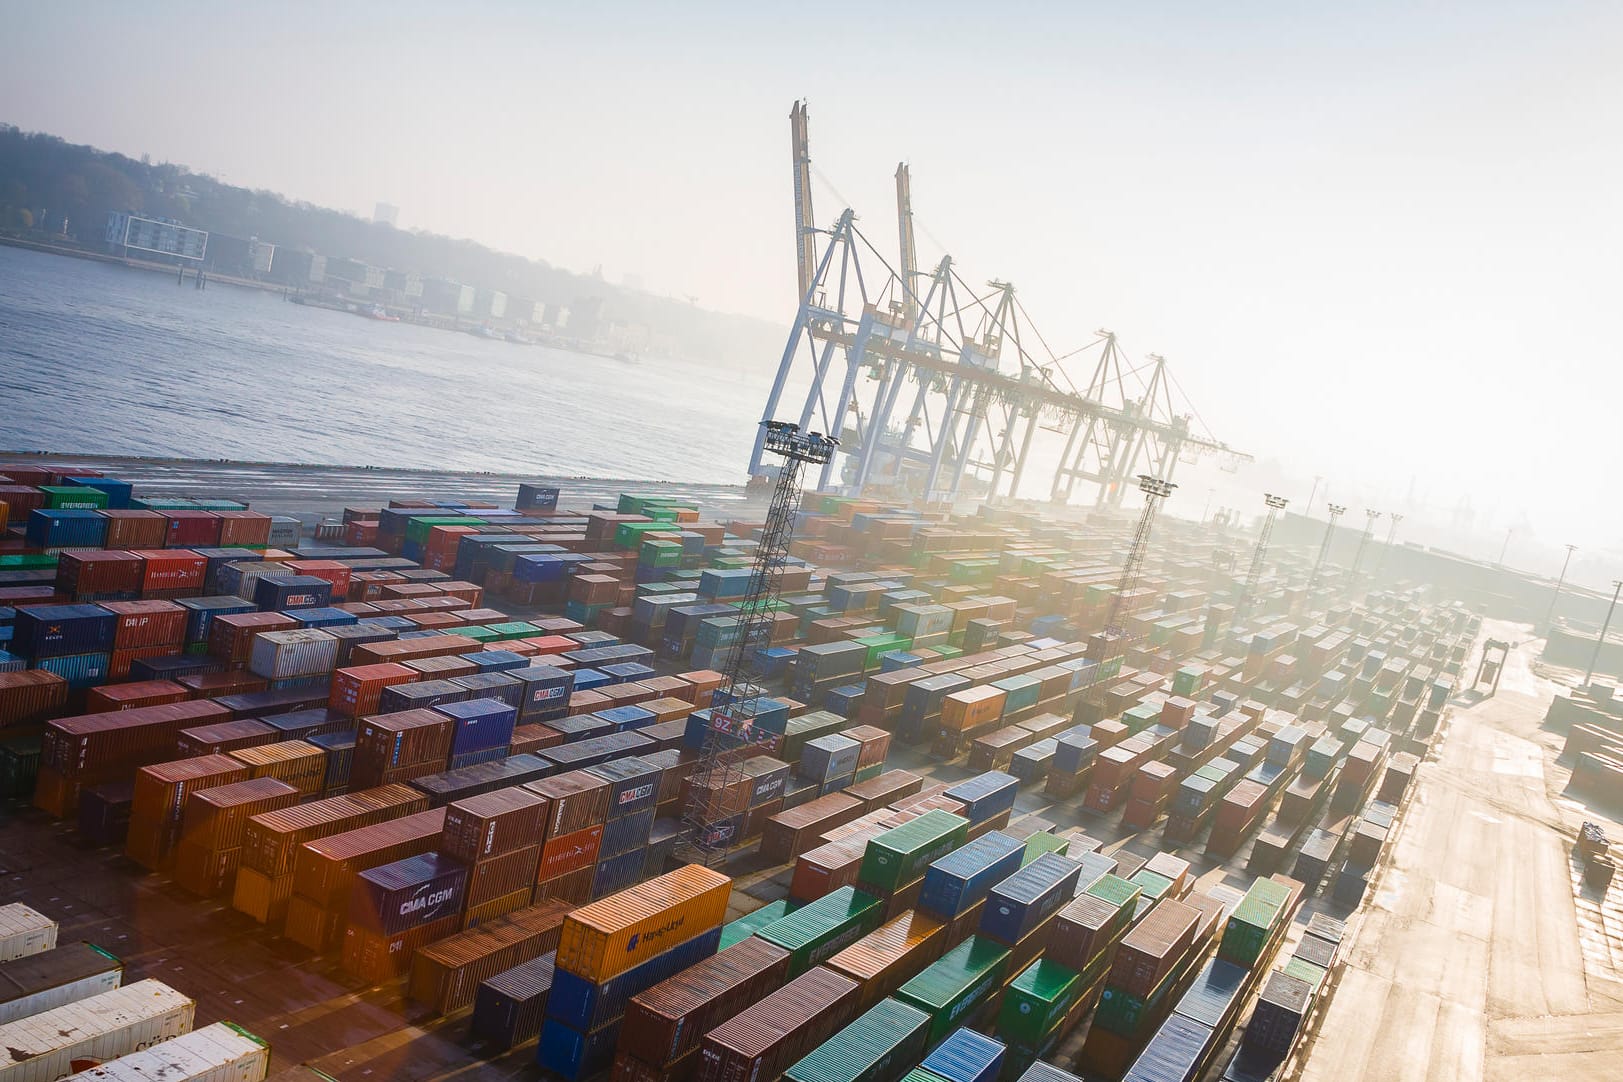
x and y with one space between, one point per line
380 774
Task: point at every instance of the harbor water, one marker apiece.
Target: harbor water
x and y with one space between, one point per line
102 359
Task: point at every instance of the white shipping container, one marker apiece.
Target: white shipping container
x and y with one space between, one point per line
43 1048
282 655
218 1053
16 1002
24 931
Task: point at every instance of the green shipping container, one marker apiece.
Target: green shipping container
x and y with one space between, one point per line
479 633
953 987
1040 843
821 929
1153 885
1020 692
1141 717
1252 922
919 1074
417 528
1036 1001
1304 970
807 727
26 561
73 498
900 855
628 535
750 923
1187 680
879 645
881 1046
516 629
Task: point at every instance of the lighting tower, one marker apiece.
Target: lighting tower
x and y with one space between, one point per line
1155 490
1549 617
1336 511
1391 533
1600 640
1363 542
708 824
1276 504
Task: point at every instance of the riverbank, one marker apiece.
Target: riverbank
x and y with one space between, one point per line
315 490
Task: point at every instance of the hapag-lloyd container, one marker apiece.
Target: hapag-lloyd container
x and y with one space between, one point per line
44 1047
670 1019
610 936
585 1006
408 893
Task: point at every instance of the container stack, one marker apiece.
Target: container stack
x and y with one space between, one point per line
92 749
578 811
271 841
397 908
393 748
324 873
508 1008
210 849
54 978
763 1040
447 974
633 790
959 988
894 863
497 837
665 1025
159 799
102 1027
617 947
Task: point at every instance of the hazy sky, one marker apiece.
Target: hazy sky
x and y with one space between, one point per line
1378 241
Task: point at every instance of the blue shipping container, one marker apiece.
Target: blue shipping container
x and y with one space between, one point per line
955 882
62 630
622 835
79 670
544 692
118 492
498 660
481 724
966 1056
1173 1053
633 785
1016 906
201 612
572 1054
986 795
491 685
66 529
582 1005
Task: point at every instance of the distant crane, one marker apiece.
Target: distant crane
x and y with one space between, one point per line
926 382
1106 649
1363 542
1253 576
1336 511
710 821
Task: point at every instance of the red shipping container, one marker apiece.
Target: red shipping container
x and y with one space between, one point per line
223 736
552 644
21 473
32 695
171 571
22 499
248 529
503 875
579 800
118 668
361 533
91 573
211 685
568 853
435 621
575 887
368 585
479 828
356 690
148 623
464 591
132 529
231 638
329 570
191 529
129 696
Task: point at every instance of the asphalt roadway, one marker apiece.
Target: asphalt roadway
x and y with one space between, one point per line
1481 954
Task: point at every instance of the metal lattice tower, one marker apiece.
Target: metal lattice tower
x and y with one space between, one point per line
1115 634
709 823
1391 533
1336 511
1363 543
1254 574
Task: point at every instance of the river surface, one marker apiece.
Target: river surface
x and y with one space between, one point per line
99 358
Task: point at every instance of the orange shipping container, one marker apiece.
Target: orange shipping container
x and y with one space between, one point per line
610 936
356 690
891 955
969 709
297 762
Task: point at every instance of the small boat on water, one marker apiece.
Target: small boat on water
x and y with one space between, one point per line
378 313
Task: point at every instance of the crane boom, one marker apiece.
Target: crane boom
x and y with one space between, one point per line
805 222
907 249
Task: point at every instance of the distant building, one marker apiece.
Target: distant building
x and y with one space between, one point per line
148 237
230 255
386 214
262 255
298 268
490 304
586 318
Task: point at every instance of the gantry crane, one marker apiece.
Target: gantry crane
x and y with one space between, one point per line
928 385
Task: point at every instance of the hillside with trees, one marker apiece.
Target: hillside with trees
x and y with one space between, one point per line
53 189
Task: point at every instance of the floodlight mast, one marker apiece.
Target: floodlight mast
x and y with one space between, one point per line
710 822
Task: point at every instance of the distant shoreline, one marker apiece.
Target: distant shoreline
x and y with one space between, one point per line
134 264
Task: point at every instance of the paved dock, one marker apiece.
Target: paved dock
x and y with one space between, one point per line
1480 955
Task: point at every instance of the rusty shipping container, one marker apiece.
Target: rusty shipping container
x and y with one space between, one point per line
762 1041
447 974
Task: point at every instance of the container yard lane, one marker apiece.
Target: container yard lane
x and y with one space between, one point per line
1469 962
